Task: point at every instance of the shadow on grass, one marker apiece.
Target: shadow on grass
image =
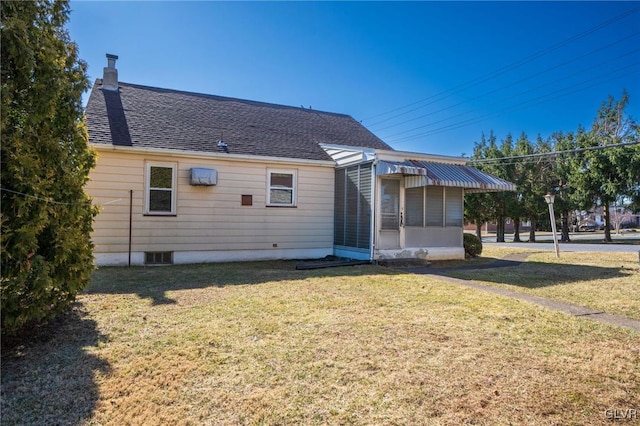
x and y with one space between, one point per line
536 274
155 282
47 375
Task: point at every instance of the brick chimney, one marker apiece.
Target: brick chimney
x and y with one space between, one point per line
110 77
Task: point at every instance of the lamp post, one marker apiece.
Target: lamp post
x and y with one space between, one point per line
549 199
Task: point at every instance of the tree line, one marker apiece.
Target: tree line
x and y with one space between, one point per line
583 169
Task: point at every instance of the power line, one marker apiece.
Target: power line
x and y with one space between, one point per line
538 74
537 100
50 201
517 95
40 198
502 160
447 93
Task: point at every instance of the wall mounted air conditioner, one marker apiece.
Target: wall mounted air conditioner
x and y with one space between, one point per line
203 177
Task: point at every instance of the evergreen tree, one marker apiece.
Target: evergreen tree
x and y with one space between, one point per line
564 167
522 176
46 216
477 205
510 173
605 174
477 210
634 175
495 204
500 199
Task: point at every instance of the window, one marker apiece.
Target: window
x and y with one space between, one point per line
414 206
160 188
282 188
390 204
158 257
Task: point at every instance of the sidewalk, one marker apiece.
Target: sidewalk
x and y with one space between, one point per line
514 260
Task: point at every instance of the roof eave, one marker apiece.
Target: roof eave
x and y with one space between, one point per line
211 155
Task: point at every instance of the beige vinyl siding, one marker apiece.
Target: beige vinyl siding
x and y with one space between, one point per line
209 218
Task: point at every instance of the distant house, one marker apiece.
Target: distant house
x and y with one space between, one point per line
185 177
492 227
621 217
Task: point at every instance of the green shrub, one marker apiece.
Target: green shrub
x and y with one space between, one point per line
47 255
472 245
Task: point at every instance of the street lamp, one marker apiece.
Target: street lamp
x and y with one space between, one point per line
549 199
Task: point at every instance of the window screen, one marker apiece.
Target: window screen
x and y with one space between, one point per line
453 207
281 189
160 190
390 202
434 208
414 206
353 206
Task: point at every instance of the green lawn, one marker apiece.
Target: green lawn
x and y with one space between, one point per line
263 343
604 281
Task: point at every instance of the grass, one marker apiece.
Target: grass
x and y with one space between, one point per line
262 343
605 281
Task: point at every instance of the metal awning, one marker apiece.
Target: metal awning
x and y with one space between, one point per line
399 168
428 173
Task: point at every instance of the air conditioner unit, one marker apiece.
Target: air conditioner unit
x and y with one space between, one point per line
203 177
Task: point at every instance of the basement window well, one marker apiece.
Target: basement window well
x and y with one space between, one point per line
158 257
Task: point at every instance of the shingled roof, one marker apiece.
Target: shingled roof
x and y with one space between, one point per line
151 117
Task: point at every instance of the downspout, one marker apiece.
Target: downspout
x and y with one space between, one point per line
374 190
130 222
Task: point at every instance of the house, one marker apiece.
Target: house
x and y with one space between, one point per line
186 177
621 217
492 227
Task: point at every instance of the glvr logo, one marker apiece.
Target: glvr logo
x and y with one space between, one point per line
615 414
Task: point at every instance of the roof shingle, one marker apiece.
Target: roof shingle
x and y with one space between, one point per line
150 117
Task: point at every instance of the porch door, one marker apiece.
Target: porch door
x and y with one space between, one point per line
390 217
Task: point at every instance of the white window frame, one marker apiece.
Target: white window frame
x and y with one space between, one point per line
147 187
294 189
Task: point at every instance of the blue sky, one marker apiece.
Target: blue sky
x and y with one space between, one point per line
423 76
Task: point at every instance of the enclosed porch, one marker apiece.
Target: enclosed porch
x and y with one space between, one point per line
399 205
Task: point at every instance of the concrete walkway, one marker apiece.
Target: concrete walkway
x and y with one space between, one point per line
514 260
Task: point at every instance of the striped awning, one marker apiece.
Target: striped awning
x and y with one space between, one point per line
428 173
399 168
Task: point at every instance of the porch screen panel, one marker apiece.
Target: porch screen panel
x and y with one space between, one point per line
435 206
453 207
364 207
352 201
339 209
414 206
390 204
352 217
